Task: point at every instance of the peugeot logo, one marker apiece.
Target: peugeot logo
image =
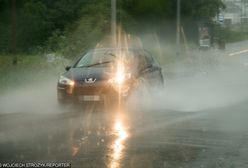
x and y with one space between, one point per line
89 80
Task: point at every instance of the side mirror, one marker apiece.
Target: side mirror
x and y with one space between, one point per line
67 68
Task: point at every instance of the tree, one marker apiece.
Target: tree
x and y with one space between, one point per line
200 9
39 21
35 21
157 14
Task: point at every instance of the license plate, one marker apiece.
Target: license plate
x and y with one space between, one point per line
89 98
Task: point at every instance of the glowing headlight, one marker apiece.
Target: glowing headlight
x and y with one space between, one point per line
65 81
120 78
120 75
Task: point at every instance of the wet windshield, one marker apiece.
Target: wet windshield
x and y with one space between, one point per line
134 59
96 58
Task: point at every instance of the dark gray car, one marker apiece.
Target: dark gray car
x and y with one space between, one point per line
108 74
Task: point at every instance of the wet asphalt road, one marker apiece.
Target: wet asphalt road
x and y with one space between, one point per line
125 139
93 137
205 128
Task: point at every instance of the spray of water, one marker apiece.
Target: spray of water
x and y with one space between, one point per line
208 80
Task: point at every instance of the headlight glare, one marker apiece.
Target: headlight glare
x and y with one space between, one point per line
66 81
120 78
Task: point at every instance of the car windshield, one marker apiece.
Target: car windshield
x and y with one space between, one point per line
93 58
134 59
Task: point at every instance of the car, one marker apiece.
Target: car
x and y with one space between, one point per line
108 75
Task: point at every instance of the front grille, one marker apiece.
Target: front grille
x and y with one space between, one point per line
93 89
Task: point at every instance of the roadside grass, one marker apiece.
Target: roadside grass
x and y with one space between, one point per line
30 69
233 36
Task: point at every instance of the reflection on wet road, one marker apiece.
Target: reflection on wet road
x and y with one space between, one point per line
96 131
118 144
94 138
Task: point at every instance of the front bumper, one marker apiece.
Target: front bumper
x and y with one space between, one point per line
86 93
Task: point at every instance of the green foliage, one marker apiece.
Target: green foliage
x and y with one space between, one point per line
72 26
148 8
160 15
234 36
5 29
93 24
160 9
36 21
30 69
35 26
202 10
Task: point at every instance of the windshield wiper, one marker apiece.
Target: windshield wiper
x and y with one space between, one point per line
91 65
111 54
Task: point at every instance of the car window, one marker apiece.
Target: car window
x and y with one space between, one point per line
95 57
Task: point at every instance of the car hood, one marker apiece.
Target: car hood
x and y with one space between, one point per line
80 74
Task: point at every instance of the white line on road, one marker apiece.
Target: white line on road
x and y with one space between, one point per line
238 52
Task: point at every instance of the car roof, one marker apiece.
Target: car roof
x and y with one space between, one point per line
121 48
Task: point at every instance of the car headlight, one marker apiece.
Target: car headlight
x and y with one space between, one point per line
121 78
66 81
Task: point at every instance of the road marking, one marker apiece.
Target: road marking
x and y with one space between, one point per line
238 52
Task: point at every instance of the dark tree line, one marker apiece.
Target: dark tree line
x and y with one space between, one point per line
42 22
35 20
